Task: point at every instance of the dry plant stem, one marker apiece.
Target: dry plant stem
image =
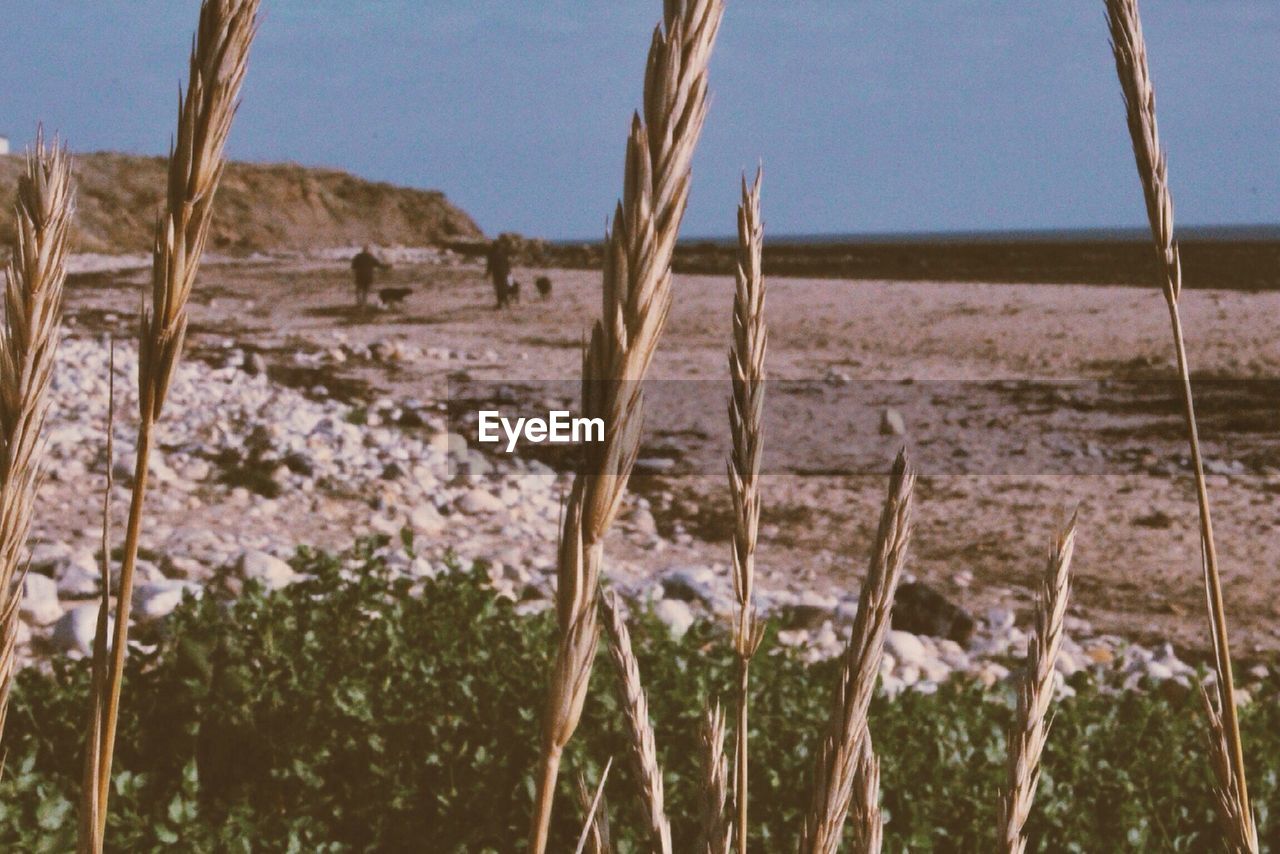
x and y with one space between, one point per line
868 823
636 299
836 768
219 56
1240 835
716 832
89 794
746 410
741 751
28 346
644 751
1035 693
1129 49
596 825
106 708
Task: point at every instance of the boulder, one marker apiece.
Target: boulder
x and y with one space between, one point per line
905 648
143 572
921 610
181 566
157 599
39 600
479 501
426 520
990 673
892 423
891 686
677 616
387 525
935 671
269 571
953 655
1068 663
78 576
47 557
689 584
74 631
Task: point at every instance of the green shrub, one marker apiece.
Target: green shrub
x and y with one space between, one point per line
348 713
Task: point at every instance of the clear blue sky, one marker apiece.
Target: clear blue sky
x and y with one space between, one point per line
914 115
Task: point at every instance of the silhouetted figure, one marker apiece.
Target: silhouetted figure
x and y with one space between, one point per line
499 269
543 284
363 266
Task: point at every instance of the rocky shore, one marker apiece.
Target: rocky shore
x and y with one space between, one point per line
248 469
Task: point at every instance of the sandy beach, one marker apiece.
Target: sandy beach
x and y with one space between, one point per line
953 360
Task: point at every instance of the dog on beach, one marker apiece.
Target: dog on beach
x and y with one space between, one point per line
393 297
543 284
513 291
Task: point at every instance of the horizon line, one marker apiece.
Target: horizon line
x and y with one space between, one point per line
1237 231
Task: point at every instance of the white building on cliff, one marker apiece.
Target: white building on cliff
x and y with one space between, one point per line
4 144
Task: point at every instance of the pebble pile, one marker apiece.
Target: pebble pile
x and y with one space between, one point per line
817 626
243 471
244 466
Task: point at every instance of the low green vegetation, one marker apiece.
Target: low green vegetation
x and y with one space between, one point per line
351 712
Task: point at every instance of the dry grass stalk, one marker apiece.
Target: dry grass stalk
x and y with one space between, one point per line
837 762
868 823
28 346
1234 816
636 299
746 411
1236 822
595 827
89 807
644 751
1035 693
1130 53
716 832
219 56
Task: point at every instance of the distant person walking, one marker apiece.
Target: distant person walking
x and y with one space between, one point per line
363 266
499 270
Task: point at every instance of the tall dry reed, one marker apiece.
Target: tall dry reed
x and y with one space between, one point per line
595 824
98 695
836 769
746 417
1035 693
1236 820
636 299
715 832
868 822
635 707
1130 52
28 347
219 56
